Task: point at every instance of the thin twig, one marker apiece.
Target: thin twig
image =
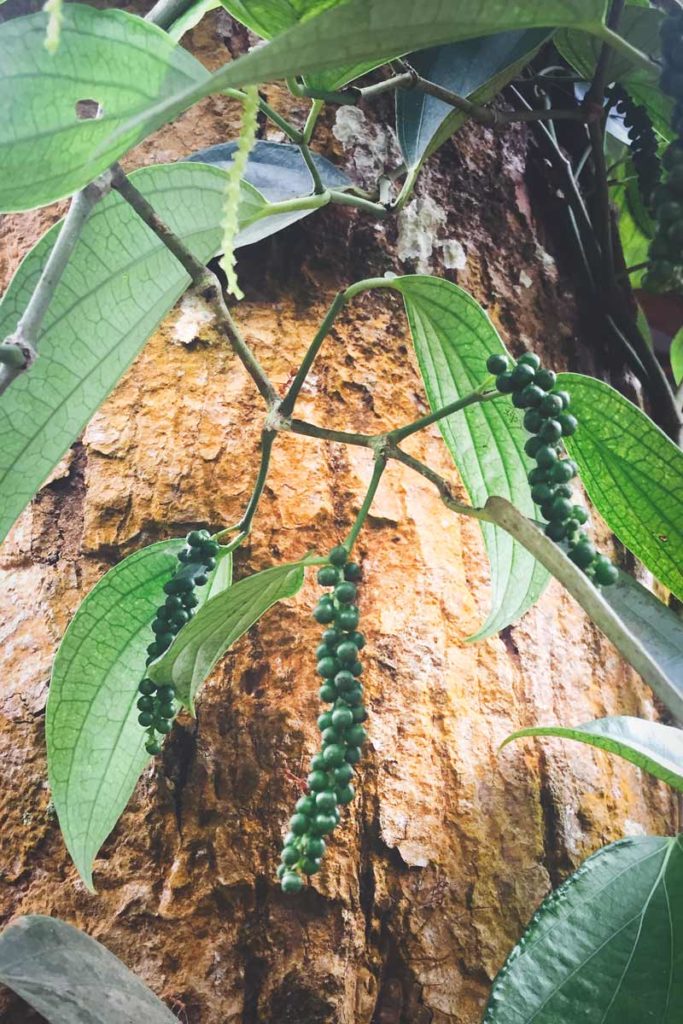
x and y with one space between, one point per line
165 12
380 466
290 398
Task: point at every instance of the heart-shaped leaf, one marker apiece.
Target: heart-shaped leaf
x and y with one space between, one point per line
606 947
70 978
633 474
656 748
453 338
119 61
222 621
475 68
95 746
119 283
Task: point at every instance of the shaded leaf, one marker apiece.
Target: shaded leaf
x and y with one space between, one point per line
606 947
95 746
453 338
70 978
676 356
633 474
475 68
222 621
643 655
656 748
118 285
124 63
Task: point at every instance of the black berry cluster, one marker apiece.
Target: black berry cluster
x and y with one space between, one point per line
642 141
666 250
547 417
329 781
156 704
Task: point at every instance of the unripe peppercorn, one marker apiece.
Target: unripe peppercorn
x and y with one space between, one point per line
338 555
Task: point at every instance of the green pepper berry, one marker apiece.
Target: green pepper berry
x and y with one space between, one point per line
280 871
325 720
352 572
323 824
328 576
153 747
305 805
359 714
356 736
556 530
353 755
358 639
333 755
551 405
564 398
162 725
604 572
317 763
537 476
146 687
196 537
166 711
347 652
356 669
354 697
291 882
580 514
533 421
347 617
530 359
562 472
582 554
331 637
201 579
323 651
327 667
541 493
290 839
344 680
146 718
314 846
190 600
341 718
299 823
521 376
330 737
546 456
496 364
338 555
209 564
327 693
345 592
290 855
504 382
531 396
317 780
551 431
309 865
165 692
545 379
560 509
568 423
325 801
532 445
345 794
323 613
342 774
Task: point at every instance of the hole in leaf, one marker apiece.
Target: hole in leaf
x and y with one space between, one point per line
87 110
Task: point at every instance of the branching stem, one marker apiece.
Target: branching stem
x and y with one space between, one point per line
380 466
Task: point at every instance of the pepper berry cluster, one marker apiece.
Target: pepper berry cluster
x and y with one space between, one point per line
156 703
666 249
533 388
329 782
643 141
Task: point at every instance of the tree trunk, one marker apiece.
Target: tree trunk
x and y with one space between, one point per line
450 844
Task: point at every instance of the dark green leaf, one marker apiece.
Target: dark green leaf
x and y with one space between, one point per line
653 654
656 748
221 622
70 978
95 746
119 283
453 338
606 947
124 63
475 68
633 474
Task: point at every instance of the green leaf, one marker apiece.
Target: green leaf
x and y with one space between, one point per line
676 356
652 658
222 621
124 63
640 26
453 338
95 746
656 748
118 285
70 978
606 947
633 474
475 68
191 17
368 32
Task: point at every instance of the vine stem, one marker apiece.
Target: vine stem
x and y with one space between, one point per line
379 467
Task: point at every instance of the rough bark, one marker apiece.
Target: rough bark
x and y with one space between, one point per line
450 844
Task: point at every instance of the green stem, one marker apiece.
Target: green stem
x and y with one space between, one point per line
318 187
366 285
380 466
312 202
441 484
312 120
348 199
396 436
323 434
290 398
267 439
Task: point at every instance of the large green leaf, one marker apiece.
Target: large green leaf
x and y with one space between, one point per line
633 474
653 653
656 748
453 338
95 746
221 622
70 978
368 32
124 63
476 68
119 283
606 947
